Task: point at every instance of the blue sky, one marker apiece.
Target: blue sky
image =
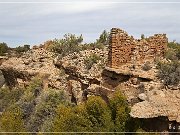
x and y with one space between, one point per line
33 22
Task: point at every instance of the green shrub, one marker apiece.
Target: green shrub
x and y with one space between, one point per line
33 90
99 114
9 97
27 101
120 112
72 43
38 105
96 116
92 46
12 120
21 49
92 116
3 48
91 60
171 54
103 38
69 120
173 45
45 107
142 36
169 72
175 49
69 44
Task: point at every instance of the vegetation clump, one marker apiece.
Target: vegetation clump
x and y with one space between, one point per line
169 71
21 49
30 107
3 49
103 38
36 110
95 116
173 52
91 60
11 120
71 43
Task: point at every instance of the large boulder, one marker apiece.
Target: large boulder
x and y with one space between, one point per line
159 103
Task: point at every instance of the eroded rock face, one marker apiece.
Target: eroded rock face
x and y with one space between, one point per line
18 70
75 63
75 91
159 103
11 76
69 73
75 67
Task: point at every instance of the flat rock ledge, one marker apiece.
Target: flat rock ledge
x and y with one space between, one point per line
159 103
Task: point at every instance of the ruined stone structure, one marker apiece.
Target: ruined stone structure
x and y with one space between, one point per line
125 49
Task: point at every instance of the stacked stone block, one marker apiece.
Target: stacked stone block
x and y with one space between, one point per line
121 47
125 49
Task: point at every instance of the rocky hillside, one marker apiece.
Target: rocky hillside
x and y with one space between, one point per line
85 66
151 86
19 70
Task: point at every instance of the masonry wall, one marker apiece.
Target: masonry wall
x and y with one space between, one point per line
125 49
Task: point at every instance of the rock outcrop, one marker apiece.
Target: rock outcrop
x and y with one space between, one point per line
158 103
69 73
88 79
75 65
19 70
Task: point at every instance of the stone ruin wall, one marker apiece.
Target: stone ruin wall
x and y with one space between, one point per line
125 49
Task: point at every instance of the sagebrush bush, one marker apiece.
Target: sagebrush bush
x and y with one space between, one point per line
11 120
91 60
103 38
69 44
21 49
92 46
170 54
174 49
169 72
3 48
9 97
45 107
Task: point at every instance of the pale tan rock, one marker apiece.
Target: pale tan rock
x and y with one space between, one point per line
31 64
159 103
142 96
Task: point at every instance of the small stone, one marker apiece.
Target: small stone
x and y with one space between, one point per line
142 96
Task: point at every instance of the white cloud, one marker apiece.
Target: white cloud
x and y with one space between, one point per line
73 7
35 23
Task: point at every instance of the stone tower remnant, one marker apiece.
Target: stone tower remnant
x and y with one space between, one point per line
125 49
